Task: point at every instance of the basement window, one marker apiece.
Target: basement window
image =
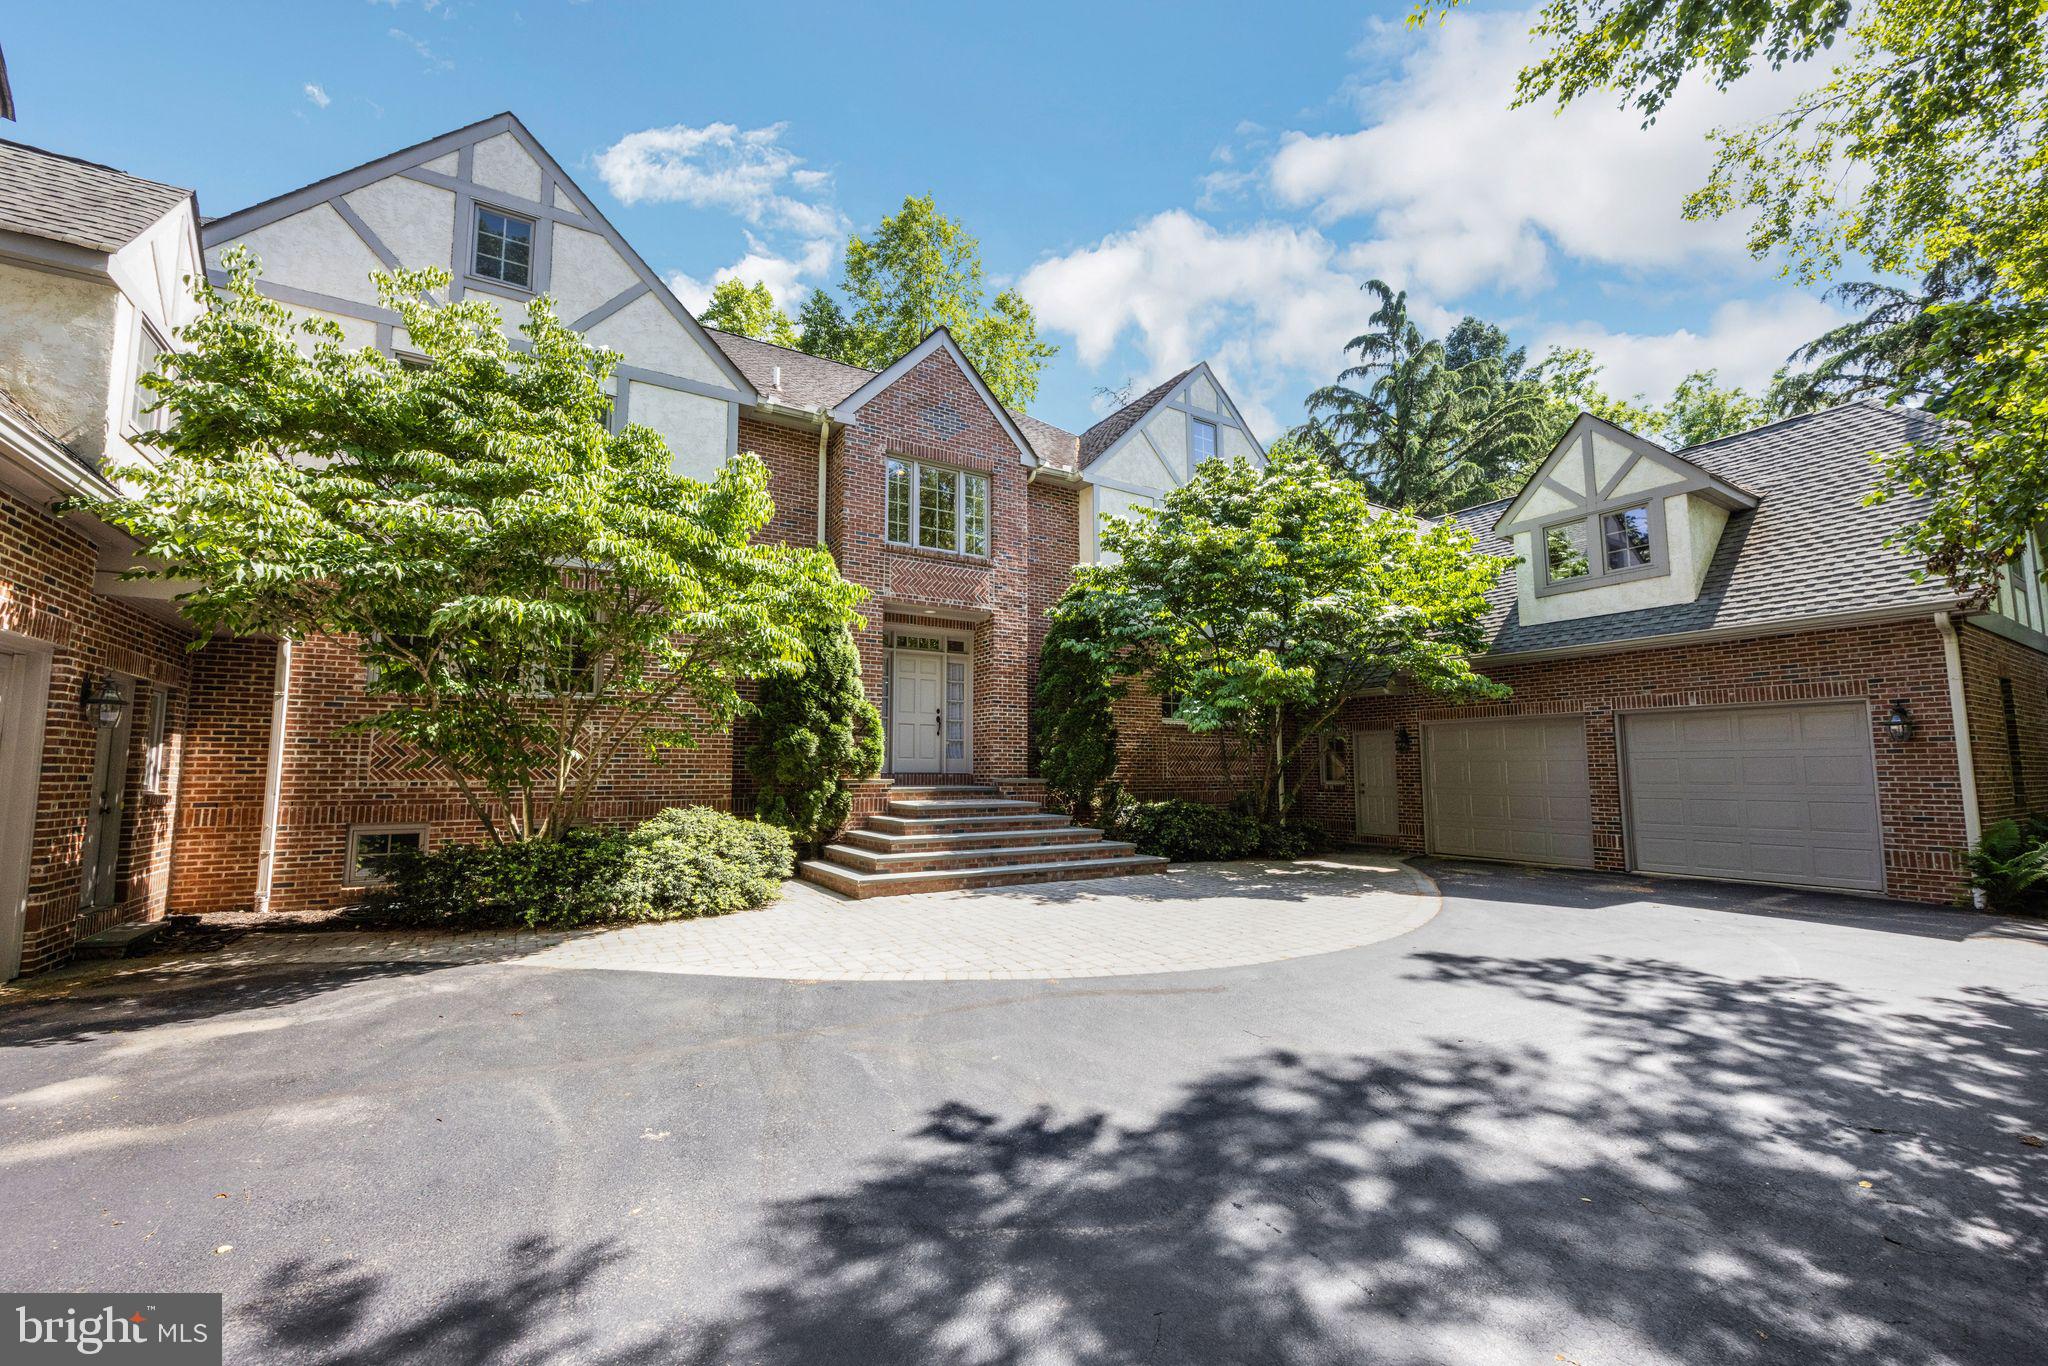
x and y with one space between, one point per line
504 248
369 843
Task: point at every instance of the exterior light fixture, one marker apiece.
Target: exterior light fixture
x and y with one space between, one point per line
103 701
1402 739
1898 725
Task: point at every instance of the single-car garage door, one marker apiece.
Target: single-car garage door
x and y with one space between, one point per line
1757 794
1512 790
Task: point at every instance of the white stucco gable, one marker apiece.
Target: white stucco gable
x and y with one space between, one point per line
1157 451
420 207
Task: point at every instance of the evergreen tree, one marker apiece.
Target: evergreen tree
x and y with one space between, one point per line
819 735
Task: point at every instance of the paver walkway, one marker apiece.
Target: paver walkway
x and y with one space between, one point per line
1211 915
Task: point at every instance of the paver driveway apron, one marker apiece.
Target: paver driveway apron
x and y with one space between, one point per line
1199 916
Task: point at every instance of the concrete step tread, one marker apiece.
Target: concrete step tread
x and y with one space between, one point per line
119 941
884 842
852 880
954 824
964 805
933 860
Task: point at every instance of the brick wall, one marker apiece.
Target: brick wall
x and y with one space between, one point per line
1919 789
2004 788
47 605
220 809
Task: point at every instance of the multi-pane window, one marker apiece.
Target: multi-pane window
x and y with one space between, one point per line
149 354
1203 443
1626 535
155 768
937 508
504 247
367 845
1564 550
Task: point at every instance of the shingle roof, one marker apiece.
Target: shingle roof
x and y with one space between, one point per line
1103 434
1809 549
88 205
813 382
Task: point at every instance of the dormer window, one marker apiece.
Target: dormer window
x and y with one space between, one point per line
1602 547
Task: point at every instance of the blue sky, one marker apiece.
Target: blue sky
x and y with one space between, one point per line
1165 182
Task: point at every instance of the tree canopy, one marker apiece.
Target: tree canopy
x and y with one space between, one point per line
748 310
532 592
1264 598
1922 147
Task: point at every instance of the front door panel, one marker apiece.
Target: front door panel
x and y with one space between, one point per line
917 692
1372 769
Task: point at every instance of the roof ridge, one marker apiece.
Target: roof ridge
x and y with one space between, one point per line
1888 409
1150 396
792 350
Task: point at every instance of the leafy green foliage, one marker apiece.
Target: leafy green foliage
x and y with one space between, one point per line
1078 686
1429 425
683 863
1183 831
747 310
921 270
541 884
693 861
1923 146
1265 598
819 734
534 594
1890 353
2009 866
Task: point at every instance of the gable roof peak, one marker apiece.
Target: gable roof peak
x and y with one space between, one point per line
938 339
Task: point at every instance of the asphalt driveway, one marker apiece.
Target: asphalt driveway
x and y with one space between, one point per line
1568 1118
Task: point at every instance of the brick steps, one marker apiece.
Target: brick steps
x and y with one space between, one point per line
941 839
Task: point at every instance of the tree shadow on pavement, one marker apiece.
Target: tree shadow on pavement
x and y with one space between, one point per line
1677 1172
341 1311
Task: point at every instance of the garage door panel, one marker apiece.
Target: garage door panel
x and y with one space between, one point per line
1527 800
1774 794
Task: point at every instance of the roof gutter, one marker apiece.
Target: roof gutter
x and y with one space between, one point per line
1054 474
1781 627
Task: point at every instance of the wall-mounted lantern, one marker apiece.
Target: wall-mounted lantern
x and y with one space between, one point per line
1402 739
103 701
1898 725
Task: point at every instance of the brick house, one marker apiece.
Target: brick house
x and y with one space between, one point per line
1704 635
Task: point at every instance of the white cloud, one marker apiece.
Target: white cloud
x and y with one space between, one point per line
745 172
1261 303
317 93
785 276
1461 192
1746 340
434 60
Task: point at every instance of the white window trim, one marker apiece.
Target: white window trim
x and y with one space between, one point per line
476 228
155 756
354 874
1215 440
917 469
149 347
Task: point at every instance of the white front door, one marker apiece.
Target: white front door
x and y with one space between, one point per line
917 711
1372 771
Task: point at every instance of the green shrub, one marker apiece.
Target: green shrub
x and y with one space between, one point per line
2010 866
540 884
1292 839
1074 729
1184 831
692 861
819 735
680 864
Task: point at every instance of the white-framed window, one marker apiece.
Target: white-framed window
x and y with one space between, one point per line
155 759
149 353
504 247
367 843
1202 444
936 508
1169 709
1336 759
571 673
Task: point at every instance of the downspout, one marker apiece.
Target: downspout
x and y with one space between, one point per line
273 774
824 436
1959 720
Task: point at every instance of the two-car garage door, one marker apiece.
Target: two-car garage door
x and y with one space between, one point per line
1757 794
1784 794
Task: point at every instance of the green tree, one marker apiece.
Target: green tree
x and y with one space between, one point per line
1924 144
1702 409
1266 598
1569 378
921 270
1430 425
821 326
819 735
748 311
533 594
1894 352
1078 688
